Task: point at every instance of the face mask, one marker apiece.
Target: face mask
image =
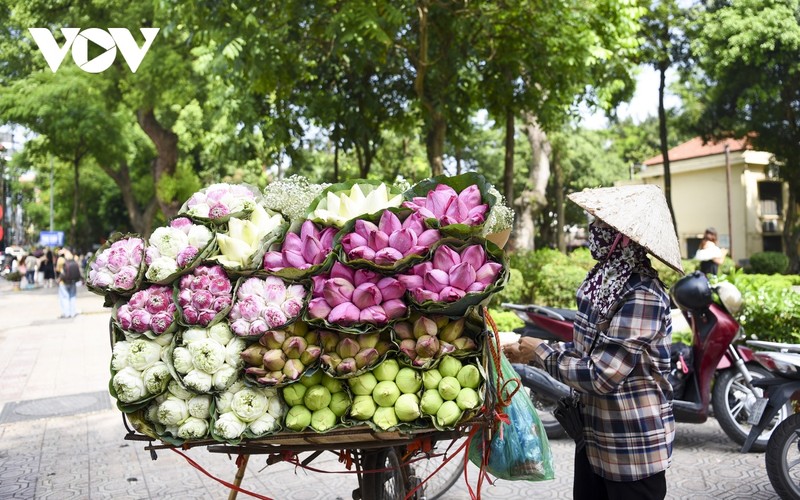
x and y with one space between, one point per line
600 241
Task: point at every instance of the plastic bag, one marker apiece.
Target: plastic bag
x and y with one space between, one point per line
517 448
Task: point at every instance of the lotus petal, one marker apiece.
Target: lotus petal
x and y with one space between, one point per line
345 314
337 291
375 315
487 273
319 308
445 258
387 256
394 308
362 252
475 255
436 280
462 276
391 288
367 295
389 222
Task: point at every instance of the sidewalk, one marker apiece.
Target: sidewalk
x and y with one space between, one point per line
61 436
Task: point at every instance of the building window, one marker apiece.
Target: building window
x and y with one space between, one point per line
770 196
772 243
692 244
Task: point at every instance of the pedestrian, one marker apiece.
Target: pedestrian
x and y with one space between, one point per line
69 274
31 263
47 267
22 268
709 254
619 358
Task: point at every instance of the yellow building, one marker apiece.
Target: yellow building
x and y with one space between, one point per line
701 190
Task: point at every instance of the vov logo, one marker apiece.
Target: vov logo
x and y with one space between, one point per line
78 40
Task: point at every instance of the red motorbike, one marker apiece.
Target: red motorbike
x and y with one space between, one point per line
713 369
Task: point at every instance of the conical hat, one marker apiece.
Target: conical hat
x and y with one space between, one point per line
639 212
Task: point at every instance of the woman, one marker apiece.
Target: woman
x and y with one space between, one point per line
48 268
709 254
620 355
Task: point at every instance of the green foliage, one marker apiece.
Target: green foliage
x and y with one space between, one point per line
551 278
768 263
771 308
515 290
506 320
13 276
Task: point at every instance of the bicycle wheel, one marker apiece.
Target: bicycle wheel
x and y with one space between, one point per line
449 474
385 485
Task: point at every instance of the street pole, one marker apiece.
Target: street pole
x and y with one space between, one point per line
3 211
51 193
730 210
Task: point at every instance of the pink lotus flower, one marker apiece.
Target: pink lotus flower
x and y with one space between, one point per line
125 279
202 299
205 317
161 322
345 314
337 291
374 314
186 256
318 308
388 241
367 295
140 320
391 288
117 266
191 315
449 207
182 223
124 317
309 248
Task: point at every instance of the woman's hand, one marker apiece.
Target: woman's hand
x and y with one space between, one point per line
523 352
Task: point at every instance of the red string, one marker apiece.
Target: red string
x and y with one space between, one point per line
223 482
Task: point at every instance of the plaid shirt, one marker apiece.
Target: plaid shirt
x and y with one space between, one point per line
628 419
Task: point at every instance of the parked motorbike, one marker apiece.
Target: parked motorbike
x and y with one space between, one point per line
713 370
783 391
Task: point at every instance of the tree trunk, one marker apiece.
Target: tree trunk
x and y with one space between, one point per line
436 125
435 143
532 199
336 152
141 219
508 170
76 201
791 233
662 133
166 143
558 179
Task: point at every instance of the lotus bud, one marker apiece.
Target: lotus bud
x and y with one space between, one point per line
421 362
430 402
273 339
363 407
328 340
254 354
256 371
294 347
274 360
347 347
299 329
293 368
366 357
449 366
394 308
312 337
448 414
441 321
331 360
408 380
452 330
488 272
348 365
425 326
449 388
345 313
323 419
427 346
468 399
465 344
367 295
431 378
404 330
386 393
319 308
317 397
407 408
445 349
293 394
312 379
337 291
298 418
409 348
469 376
271 378
310 355
383 346
368 340
363 384
340 402
387 370
385 418
334 385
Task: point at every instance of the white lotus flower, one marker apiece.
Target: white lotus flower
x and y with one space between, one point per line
198 381
143 353
193 334
224 377
182 360
343 206
129 385
244 237
199 236
179 391
276 408
161 268
249 404
224 400
233 351
169 241
173 411
221 332
164 339
199 406
207 355
264 424
119 355
156 377
228 426
193 428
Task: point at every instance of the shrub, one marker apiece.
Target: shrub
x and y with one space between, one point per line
506 320
515 290
771 309
768 263
13 276
558 285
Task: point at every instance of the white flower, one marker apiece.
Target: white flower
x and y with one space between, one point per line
164 339
182 360
194 334
249 404
151 414
178 391
156 377
128 385
221 332
119 355
276 408
244 237
173 411
161 268
199 236
207 355
198 381
338 208
264 424
224 377
193 428
143 353
228 426
169 241
224 400
199 406
233 352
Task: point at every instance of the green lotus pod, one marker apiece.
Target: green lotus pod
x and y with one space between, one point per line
298 418
312 379
273 339
347 348
448 414
385 418
363 407
468 399
469 376
385 393
404 330
254 354
431 378
323 419
340 402
407 407
449 366
328 341
334 385
299 329
383 346
387 370
293 369
366 357
449 388
427 346
430 402
274 360
310 355
294 347
408 380
368 340
312 337
441 321
293 394
425 326
363 385
317 397
452 331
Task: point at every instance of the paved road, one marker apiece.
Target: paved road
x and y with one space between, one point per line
61 438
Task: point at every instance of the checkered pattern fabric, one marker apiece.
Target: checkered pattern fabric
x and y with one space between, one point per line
629 427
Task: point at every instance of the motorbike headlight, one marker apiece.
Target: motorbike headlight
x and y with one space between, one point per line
730 296
780 362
